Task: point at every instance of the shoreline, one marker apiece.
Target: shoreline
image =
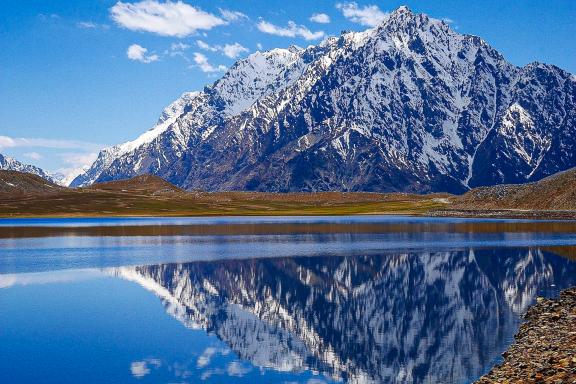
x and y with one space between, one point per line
544 348
306 211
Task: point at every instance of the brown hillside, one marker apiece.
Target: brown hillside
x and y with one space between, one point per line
143 184
14 184
556 192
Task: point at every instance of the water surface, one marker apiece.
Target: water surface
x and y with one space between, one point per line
310 300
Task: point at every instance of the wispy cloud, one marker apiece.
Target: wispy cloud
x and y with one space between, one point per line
178 49
13 142
202 62
179 46
320 18
369 15
232 16
230 50
139 53
176 19
91 25
205 46
292 30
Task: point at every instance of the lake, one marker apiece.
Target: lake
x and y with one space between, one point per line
356 299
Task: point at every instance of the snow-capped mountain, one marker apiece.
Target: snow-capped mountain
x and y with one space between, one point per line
429 317
409 105
10 164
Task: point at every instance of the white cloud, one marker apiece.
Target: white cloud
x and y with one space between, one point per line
167 19
448 20
205 66
232 16
33 155
139 53
292 30
369 15
320 18
13 142
259 46
230 50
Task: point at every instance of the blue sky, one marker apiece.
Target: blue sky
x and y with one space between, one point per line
79 75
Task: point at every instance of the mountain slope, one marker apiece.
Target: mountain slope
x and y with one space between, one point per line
409 105
16 184
143 184
557 192
10 164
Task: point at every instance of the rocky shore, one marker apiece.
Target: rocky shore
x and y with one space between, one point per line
544 350
504 214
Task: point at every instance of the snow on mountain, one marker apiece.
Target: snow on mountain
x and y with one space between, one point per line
10 164
409 105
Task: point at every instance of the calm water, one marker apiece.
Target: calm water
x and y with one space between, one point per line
268 300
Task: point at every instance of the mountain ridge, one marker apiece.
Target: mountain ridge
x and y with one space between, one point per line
407 106
8 163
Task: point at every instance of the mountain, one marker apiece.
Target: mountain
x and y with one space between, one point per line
16 184
416 317
10 164
557 192
409 105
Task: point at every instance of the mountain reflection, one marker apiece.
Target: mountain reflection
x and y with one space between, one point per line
406 317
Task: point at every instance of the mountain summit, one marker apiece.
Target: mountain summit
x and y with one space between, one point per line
409 105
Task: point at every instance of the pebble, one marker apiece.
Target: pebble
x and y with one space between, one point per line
544 350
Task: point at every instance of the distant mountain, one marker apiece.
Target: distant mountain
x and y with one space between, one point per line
409 105
557 192
10 164
15 184
65 179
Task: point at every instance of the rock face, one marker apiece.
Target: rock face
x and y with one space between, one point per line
430 317
409 105
10 164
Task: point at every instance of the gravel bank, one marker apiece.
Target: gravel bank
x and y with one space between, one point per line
544 350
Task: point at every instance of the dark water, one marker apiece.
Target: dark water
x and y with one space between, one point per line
268 300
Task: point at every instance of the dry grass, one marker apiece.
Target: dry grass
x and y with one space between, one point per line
158 198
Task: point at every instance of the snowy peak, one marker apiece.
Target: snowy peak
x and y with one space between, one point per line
258 75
